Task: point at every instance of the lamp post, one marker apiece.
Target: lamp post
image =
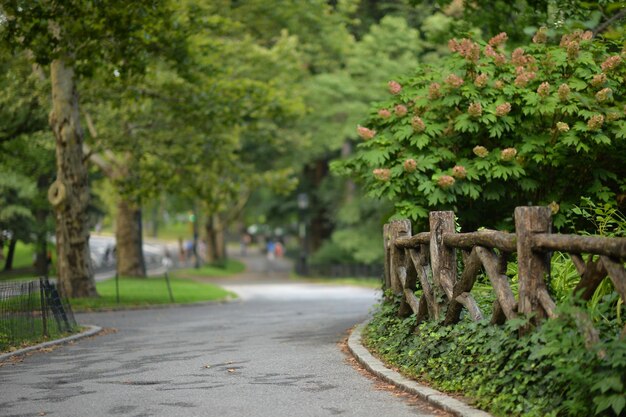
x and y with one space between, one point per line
303 204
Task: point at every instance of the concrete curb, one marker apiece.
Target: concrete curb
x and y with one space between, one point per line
433 397
92 330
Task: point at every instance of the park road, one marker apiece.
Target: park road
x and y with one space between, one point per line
274 352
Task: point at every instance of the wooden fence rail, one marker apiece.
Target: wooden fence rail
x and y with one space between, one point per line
429 260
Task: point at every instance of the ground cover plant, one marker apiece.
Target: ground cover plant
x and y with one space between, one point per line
142 292
551 372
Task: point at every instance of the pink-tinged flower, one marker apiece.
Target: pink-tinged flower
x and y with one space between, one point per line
433 91
365 133
586 35
468 50
508 154
524 78
384 113
410 165
418 124
454 80
541 36
572 49
518 58
481 80
480 151
503 109
604 95
562 127
475 109
499 39
382 174
400 110
598 79
497 57
453 45
611 63
459 172
499 84
394 87
595 122
544 89
563 92
445 181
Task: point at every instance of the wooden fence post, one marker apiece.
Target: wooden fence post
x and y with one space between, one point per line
533 267
397 228
386 248
442 258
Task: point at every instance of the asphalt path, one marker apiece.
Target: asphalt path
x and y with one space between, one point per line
273 352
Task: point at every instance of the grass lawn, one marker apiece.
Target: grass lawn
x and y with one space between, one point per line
137 292
231 267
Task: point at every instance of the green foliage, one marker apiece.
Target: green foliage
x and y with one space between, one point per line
550 372
485 131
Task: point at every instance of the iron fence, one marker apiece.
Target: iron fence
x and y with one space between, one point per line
32 310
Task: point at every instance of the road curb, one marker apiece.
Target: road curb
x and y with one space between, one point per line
91 330
432 396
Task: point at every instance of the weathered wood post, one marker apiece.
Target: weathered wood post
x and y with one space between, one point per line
442 258
398 264
533 266
386 248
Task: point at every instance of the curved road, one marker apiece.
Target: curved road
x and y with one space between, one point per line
274 352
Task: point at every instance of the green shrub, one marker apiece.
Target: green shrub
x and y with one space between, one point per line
486 130
553 371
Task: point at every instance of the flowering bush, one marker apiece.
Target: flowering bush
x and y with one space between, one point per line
487 130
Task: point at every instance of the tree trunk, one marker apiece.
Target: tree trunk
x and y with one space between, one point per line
214 240
69 194
129 243
8 263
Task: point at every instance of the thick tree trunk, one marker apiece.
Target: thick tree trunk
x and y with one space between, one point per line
69 194
129 243
8 263
215 242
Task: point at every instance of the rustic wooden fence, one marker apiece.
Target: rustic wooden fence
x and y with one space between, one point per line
429 260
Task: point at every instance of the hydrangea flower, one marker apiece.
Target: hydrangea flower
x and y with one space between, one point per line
459 172
611 63
400 110
544 89
445 181
503 109
475 109
595 122
481 80
508 154
499 39
410 165
454 80
365 133
604 95
418 124
480 151
433 91
384 113
598 79
562 127
394 87
382 174
541 36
